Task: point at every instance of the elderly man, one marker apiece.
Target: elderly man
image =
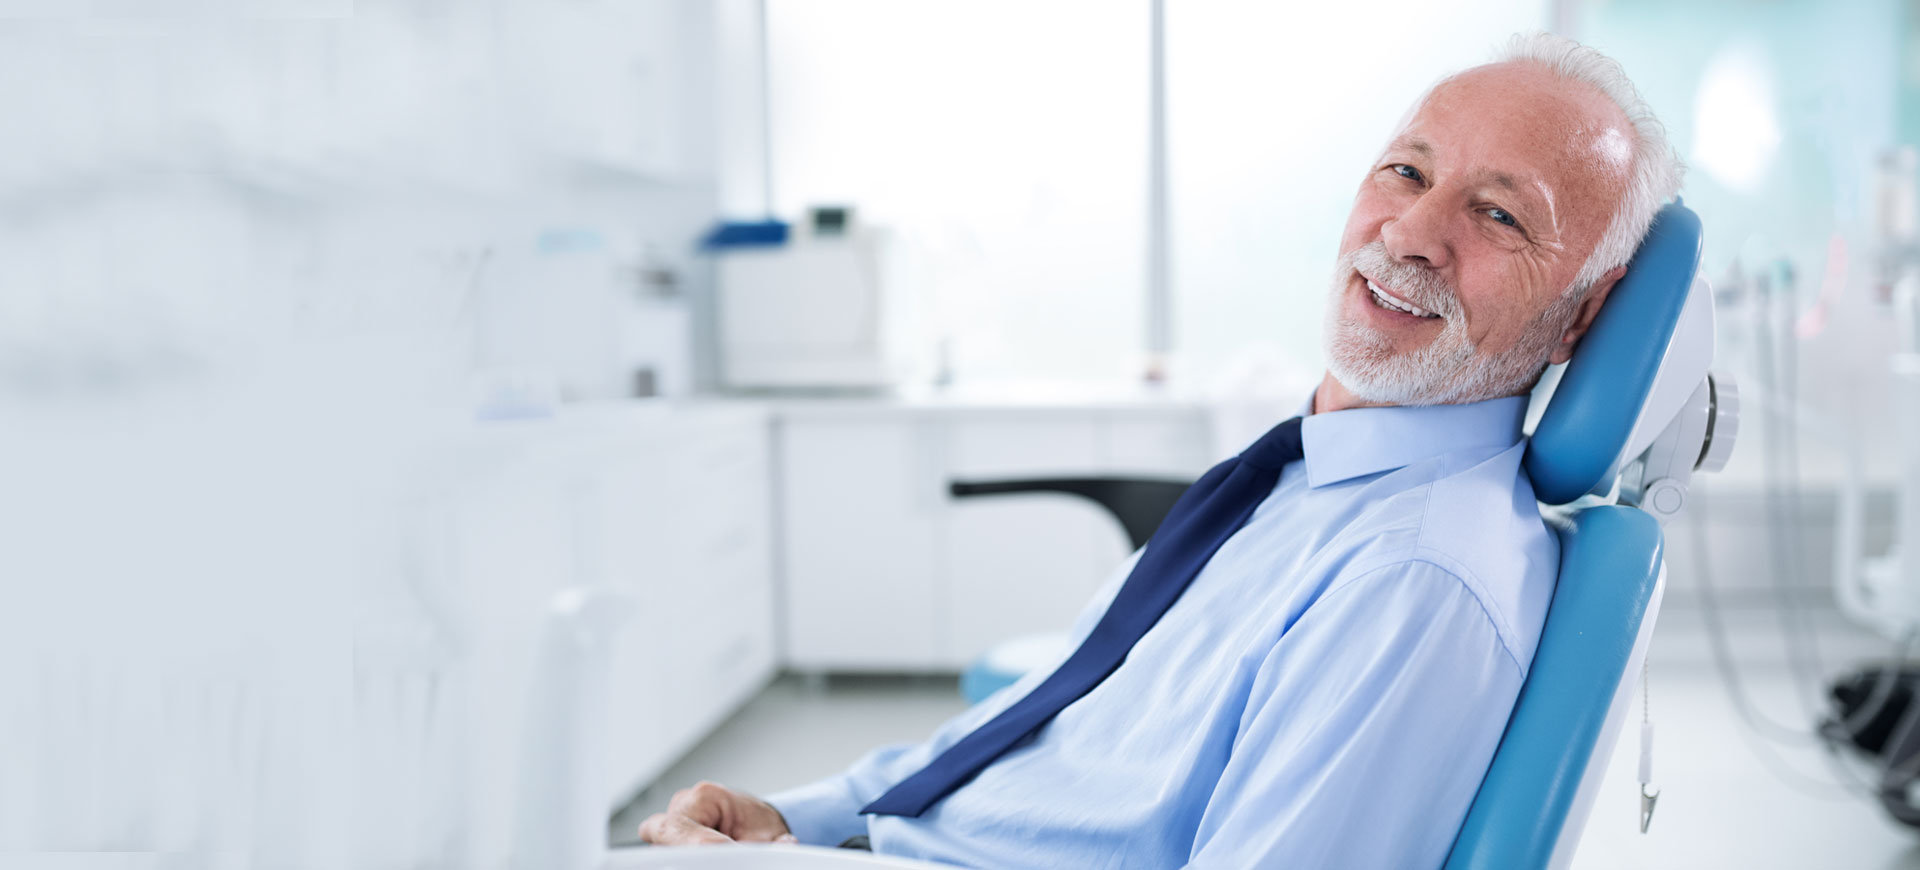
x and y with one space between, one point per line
1312 662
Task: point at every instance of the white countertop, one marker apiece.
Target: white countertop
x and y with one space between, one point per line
1013 396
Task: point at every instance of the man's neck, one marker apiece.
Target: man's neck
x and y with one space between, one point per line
1331 395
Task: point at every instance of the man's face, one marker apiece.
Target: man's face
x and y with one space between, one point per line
1477 217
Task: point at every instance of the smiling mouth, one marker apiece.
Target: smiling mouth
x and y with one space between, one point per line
1390 302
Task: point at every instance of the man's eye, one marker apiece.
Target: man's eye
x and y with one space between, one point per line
1503 216
1408 172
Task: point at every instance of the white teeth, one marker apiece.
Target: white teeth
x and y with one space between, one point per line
1395 303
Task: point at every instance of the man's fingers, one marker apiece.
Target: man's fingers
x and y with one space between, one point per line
766 832
674 829
705 803
739 816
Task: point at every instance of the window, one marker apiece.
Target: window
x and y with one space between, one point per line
1002 145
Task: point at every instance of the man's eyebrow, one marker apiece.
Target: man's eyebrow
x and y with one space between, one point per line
1414 144
1527 199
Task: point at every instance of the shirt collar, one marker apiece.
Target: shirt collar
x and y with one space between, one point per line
1341 445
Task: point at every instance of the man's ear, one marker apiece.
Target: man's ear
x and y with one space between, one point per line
1583 316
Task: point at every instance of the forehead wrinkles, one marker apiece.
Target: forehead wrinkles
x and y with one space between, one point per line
1568 145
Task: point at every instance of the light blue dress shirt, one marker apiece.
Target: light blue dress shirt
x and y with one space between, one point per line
1327 693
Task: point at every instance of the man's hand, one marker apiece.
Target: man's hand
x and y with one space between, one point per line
712 813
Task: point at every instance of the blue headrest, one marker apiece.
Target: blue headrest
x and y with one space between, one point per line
1591 415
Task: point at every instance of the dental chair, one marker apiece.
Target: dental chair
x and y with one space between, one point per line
1634 415
1619 436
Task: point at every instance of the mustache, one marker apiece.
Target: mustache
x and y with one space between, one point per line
1423 287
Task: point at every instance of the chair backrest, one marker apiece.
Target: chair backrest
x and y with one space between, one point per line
1613 398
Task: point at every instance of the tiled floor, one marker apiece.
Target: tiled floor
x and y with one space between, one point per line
1721 804
796 732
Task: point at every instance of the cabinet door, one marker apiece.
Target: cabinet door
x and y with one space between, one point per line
681 518
1021 564
859 499
629 533
724 642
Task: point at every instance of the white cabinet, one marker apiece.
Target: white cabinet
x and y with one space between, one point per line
685 518
884 571
860 510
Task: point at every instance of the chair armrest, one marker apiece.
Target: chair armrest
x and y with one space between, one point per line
1139 503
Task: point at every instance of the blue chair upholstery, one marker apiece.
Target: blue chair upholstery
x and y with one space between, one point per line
1578 441
985 676
1609 570
1539 788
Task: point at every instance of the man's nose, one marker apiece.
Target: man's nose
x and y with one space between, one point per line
1419 234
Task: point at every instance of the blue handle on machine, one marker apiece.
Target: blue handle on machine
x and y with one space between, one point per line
745 234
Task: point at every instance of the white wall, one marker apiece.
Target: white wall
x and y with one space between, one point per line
252 271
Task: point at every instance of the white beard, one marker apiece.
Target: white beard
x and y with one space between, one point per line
1448 370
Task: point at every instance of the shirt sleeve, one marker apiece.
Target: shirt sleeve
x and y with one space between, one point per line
827 812
1367 732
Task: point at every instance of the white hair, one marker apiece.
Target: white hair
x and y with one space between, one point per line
1656 170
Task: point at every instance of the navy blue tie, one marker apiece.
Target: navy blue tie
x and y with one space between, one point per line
1208 513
